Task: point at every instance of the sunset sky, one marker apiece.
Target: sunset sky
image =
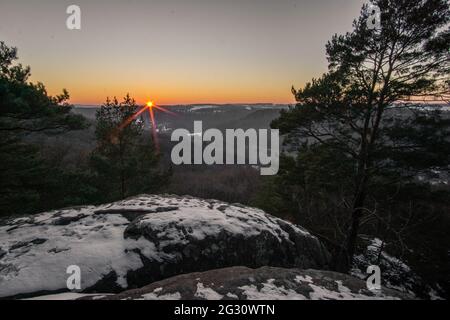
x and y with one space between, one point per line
176 51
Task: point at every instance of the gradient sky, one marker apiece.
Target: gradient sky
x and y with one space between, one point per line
176 51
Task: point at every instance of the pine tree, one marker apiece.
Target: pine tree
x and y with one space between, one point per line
125 161
26 109
361 120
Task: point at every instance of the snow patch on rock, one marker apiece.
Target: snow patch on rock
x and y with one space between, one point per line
207 293
108 242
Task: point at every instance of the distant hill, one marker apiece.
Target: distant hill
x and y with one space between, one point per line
227 116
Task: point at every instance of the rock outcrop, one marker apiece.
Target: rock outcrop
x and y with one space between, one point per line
132 243
267 283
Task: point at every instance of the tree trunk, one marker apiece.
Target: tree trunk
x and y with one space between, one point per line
122 185
354 229
122 171
345 257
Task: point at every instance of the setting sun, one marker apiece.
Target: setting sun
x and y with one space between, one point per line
150 104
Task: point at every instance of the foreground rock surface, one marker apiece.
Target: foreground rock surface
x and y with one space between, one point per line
267 283
132 243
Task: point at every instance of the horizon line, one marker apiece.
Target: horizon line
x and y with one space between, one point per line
195 104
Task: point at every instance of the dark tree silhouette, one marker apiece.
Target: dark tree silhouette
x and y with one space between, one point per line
26 109
364 112
124 162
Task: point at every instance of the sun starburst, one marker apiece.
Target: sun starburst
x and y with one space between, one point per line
150 106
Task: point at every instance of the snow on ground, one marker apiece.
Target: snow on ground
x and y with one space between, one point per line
233 220
270 291
240 283
201 108
343 293
207 293
393 269
154 296
94 242
36 251
396 274
287 285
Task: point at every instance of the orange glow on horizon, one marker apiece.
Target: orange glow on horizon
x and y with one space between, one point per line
96 93
97 97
